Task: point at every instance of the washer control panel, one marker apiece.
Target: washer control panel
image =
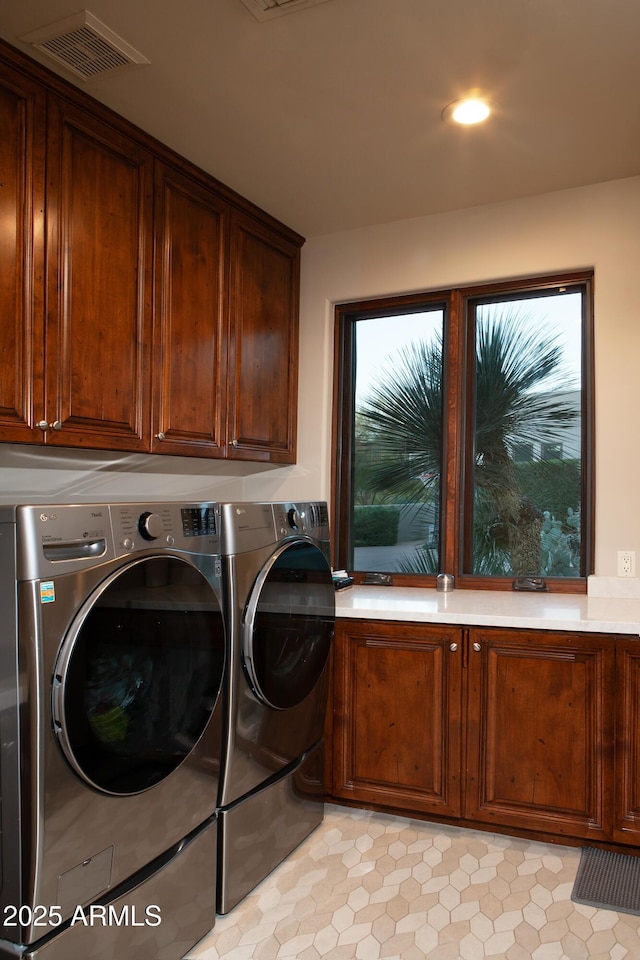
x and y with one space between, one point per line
191 527
52 539
200 521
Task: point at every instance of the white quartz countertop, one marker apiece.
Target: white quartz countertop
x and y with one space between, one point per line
540 611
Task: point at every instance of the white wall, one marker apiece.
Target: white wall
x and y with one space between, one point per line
37 474
596 226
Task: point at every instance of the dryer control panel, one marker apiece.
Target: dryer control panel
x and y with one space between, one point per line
309 518
252 526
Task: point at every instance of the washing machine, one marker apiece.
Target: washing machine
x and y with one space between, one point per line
279 605
111 668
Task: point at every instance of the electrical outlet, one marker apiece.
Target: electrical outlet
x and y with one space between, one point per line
626 563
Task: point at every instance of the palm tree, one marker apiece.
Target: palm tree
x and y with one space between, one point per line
516 368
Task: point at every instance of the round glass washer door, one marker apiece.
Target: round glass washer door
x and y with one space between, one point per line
289 625
138 675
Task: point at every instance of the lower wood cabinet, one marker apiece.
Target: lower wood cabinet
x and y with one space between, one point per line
539 731
627 748
398 715
532 731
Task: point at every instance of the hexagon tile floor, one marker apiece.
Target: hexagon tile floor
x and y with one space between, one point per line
367 886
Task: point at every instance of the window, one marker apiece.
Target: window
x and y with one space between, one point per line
463 434
551 451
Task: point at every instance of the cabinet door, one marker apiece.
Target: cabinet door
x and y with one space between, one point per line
540 731
627 769
99 207
263 361
22 107
397 715
189 317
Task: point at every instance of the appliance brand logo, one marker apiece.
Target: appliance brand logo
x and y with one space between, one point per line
54 516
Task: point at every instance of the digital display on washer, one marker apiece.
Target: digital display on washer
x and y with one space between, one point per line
198 521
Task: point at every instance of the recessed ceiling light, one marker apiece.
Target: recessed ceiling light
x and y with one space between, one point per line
467 111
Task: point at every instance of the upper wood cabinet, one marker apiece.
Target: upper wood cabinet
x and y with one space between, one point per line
164 316
263 356
22 122
100 243
189 344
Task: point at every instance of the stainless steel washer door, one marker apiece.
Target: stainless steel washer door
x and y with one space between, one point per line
289 625
138 675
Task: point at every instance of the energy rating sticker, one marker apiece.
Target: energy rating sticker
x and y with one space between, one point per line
47 591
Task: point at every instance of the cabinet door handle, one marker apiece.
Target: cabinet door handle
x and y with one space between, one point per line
42 425
477 647
161 436
453 647
56 425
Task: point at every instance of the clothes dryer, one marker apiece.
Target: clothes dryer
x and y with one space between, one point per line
280 611
111 667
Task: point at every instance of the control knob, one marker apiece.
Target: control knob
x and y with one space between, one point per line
150 525
293 518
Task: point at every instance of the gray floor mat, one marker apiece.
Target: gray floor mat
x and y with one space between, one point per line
610 881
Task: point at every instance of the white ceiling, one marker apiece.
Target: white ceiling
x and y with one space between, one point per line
329 117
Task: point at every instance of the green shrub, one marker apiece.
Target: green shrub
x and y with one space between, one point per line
375 526
553 485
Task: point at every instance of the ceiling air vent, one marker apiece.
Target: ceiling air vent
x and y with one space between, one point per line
84 45
267 9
